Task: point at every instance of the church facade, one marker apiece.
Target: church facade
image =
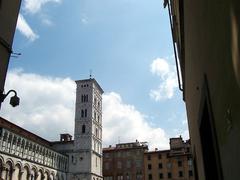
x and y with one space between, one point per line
26 156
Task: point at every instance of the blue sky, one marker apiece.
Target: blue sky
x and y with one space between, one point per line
126 44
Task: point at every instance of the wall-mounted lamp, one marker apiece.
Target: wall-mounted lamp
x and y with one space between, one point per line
14 100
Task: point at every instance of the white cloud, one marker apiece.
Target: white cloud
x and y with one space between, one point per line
47 22
160 67
181 132
46 104
168 80
34 6
47 109
125 122
84 18
25 29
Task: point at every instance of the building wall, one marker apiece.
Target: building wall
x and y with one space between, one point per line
124 162
175 163
211 76
21 157
8 19
211 30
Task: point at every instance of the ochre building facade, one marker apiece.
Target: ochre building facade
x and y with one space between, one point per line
175 163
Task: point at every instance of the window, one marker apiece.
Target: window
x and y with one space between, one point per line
98 118
120 177
149 166
160 166
138 163
119 154
96 132
149 157
180 174
169 165
95 101
96 162
160 175
108 178
82 113
190 173
95 115
128 153
190 162
106 165
85 113
169 175
84 98
139 176
150 176
98 104
127 177
119 165
179 163
83 129
128 164
106 155
159 156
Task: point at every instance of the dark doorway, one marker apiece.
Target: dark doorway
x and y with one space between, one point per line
209 146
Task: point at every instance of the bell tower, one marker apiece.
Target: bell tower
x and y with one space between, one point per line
87 154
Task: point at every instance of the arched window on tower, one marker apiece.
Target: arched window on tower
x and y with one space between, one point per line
83 129
96 132
82 113
95 115
95 101
85 112
98 104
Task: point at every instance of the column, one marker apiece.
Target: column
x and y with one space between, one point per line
4 172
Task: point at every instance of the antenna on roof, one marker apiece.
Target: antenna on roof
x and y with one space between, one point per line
90 73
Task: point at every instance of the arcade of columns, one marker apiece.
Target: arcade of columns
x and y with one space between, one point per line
22 159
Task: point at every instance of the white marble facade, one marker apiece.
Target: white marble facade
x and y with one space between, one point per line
23 159
26 156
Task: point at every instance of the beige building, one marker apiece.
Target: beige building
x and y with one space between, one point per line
175 163
26 156
8 18
206 39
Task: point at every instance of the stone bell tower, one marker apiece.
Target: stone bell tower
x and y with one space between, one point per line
87 154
